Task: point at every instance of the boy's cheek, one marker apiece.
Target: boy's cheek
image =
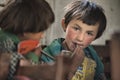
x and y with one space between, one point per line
87 42
70 34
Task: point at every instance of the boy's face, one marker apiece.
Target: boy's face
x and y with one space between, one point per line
79 33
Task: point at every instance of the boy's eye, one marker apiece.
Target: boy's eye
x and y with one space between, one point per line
89 33
76 28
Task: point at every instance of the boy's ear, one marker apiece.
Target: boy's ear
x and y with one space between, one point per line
63 24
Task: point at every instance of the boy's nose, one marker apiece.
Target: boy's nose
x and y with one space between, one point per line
80 37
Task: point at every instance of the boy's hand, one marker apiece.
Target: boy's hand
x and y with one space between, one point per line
77 59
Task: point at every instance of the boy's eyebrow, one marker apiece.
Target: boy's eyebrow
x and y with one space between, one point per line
91 31
78 25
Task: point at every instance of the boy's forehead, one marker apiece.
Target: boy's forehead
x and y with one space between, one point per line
80 23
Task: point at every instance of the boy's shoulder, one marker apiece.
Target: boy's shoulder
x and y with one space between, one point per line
8 36
95 57
6 42
90 51
4 39
3 36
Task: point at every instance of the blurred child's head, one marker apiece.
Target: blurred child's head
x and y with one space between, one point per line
26 16
85 20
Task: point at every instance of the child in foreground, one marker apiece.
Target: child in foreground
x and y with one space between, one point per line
22 25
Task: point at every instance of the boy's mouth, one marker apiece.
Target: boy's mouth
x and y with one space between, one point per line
78 44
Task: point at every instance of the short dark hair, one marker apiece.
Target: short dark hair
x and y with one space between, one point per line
89 12
21 16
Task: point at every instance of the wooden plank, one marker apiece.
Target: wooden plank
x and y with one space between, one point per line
115 56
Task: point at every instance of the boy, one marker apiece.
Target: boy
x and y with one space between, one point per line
22 25
83 22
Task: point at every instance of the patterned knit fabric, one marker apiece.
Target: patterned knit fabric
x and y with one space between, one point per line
7 46
13 65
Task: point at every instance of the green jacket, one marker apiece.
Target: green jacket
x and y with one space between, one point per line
55 48
9 42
